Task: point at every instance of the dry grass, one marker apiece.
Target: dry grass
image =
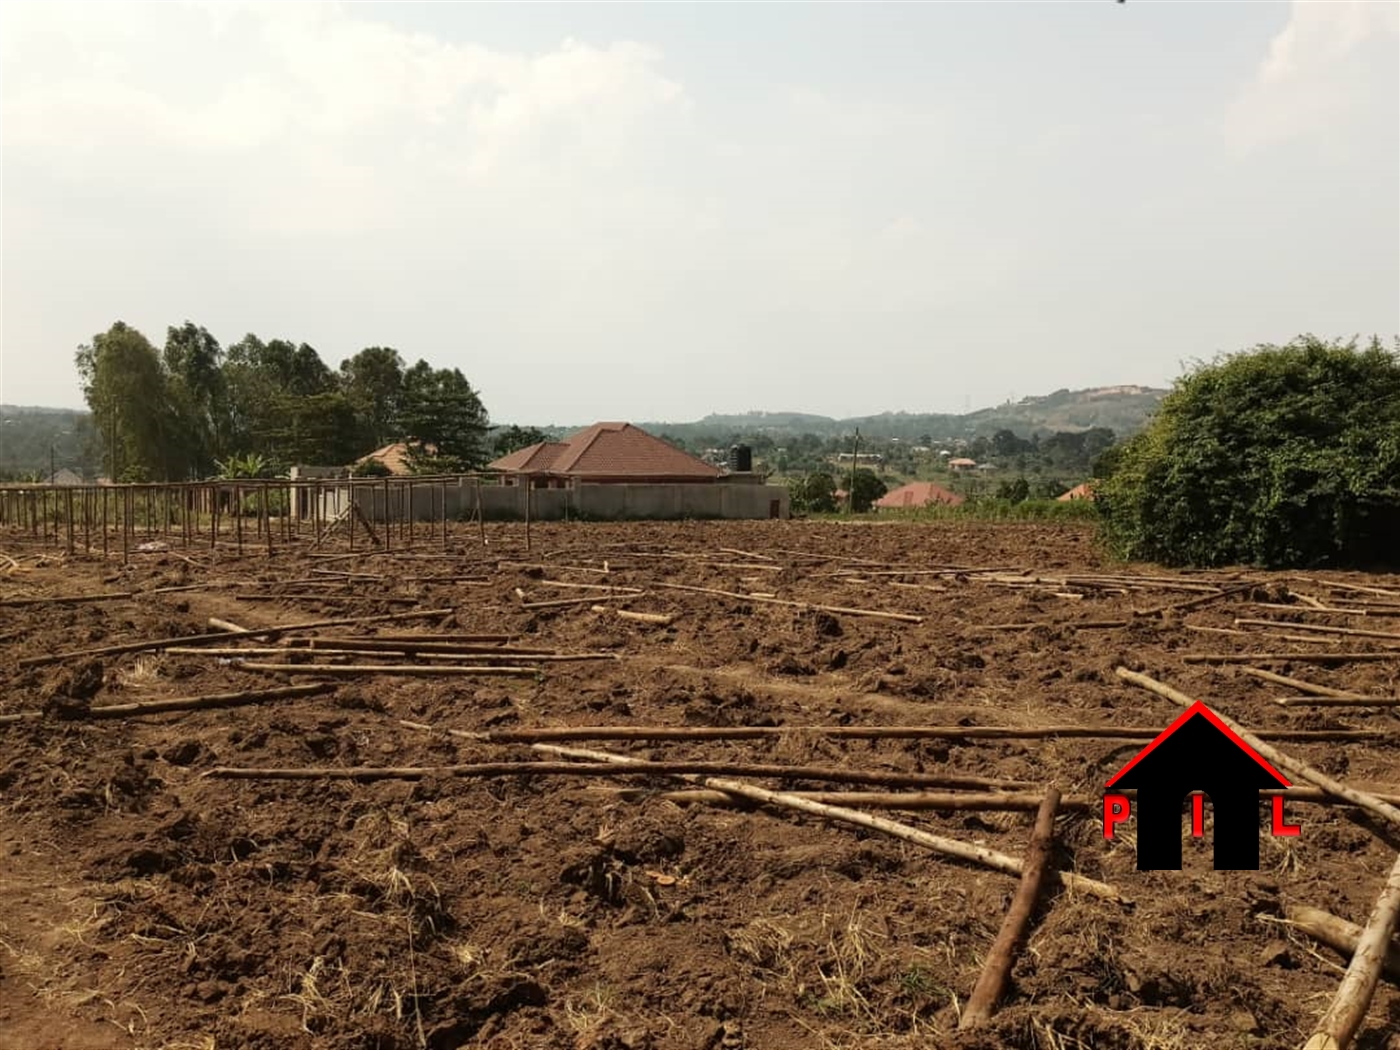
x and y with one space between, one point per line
144 673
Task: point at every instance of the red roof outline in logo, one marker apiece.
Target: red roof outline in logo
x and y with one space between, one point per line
1191 712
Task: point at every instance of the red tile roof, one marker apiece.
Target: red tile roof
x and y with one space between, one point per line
616 451
1084 491
394 456
918 494
539 457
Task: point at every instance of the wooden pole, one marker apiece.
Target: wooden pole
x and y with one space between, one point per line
660 619
1339 935
480 517
220 636
1320 628
1174 609
1300 685
918 732
185 703
126 525
996 971
901 617
391 670
1306 658
69 599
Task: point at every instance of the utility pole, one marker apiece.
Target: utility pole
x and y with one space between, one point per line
53 464
855 458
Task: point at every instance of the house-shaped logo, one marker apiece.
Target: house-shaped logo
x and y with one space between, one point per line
1196 753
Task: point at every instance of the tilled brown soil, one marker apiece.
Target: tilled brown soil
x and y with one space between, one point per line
145 904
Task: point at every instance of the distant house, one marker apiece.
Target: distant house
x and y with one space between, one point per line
65 477
917 494
962 463
1084 491
393 457
605 453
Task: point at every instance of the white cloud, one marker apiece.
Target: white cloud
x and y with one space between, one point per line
1318 69
213 84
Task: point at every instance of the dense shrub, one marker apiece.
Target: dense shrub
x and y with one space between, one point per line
1279 456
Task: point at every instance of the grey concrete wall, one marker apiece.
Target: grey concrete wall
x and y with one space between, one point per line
602 502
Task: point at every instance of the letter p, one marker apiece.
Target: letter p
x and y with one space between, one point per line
1116 809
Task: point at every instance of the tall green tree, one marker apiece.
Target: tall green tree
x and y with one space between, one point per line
866 488
373 381
1281 456
193 363
508 439
125 386
442 416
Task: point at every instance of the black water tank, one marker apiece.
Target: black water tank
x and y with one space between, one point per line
740 459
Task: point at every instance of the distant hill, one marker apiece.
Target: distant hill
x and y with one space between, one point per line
1123 409
28 434
31 438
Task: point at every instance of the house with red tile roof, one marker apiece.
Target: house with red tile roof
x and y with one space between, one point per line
393 457
605 453
1084 491
917 494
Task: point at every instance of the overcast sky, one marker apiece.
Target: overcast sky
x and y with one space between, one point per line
659 211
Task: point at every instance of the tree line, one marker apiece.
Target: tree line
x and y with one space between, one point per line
195 409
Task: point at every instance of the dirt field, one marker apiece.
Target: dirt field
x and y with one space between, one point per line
144 903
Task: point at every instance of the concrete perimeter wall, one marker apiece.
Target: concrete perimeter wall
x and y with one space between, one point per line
598 502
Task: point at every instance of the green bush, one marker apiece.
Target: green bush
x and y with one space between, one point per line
1279 456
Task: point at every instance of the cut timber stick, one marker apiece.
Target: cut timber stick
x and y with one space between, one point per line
985 801
181 703
390 670
746 554
557 602
409 645
1324 610
505 736
826 773
951 801
227 625
1339 935
1337 701
424 636
68 599
1339 585
981 855
1307 658
328 599
1174 608
586 768
606 587
384 654
661 619
1214 630
1299 684
1348 1009
991 983
1319 628
1306 599
555 568
223 636
900 617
